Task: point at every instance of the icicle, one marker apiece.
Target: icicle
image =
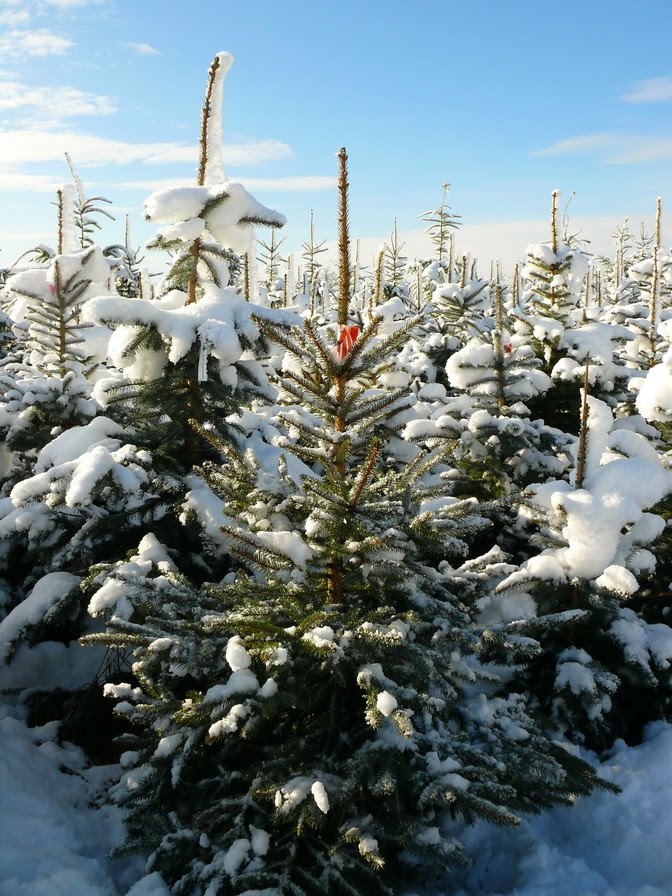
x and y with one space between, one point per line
203 356
146 291
254 277
70 238
291 280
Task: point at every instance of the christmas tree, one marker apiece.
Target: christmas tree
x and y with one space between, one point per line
309 721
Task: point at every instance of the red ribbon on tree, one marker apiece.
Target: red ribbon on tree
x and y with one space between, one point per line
347 336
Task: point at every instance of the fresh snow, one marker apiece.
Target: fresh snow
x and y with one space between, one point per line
224 207
46 594
386 703
214 168
603 846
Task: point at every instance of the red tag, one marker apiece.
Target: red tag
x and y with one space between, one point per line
347 337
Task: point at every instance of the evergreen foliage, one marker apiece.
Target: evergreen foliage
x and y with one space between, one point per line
355 566
244 778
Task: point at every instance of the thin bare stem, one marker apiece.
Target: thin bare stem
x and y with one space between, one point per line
378 287
586 296
343 238
205 120
59 246
515 287
499 348
554 220
583 433
246 277
653 308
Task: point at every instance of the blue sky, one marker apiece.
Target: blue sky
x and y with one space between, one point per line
506 101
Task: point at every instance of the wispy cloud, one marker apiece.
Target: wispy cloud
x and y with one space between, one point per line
299 184
251 153
23 145
13 17
33 42
71 4
613 148
141 49
31 183
651 90
52 105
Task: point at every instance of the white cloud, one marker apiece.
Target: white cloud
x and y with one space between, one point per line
14 17
53 104
300 184
33 183
150 186
37 42
503 241
651 90
71 4
142 49
41 145
26 145
38 235
252 153
615 149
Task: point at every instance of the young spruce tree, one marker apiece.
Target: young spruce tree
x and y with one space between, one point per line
307 723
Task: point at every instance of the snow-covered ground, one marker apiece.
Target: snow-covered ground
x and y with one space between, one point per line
56 832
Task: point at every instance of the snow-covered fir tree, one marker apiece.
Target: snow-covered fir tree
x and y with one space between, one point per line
309 721
104 474
595 665
351 563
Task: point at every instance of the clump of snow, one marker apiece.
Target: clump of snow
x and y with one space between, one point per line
293 793
573 672
45 597
290 544
321 636
320 796
229 724
242 681
619 579
167 745
178 324
654 398
74 442
236 854
227 209
603 521
236 655
600 419
260 841
386 703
